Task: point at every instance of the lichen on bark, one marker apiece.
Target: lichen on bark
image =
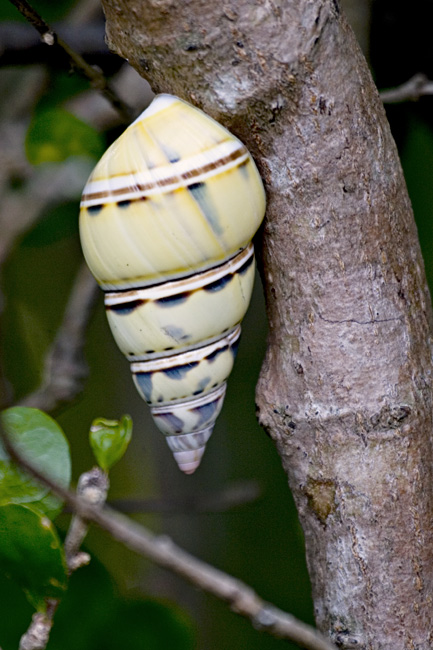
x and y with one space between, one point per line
345 389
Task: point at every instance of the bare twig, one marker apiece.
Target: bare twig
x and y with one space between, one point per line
92 489
96 78
64 364
163 551
21 45
411 90
36 20
38 634
92 108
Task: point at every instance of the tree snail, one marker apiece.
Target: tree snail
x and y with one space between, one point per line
166 222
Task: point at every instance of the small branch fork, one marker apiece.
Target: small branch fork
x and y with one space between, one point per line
96 78
38 634
92 489
411 90
163 551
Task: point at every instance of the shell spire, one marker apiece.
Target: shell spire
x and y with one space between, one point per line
166 222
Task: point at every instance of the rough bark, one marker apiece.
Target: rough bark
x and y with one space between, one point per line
345 389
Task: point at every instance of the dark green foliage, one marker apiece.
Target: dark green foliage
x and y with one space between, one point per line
38 438
92 616
31 554
55 134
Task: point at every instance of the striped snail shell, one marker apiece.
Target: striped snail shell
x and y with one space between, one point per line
166 222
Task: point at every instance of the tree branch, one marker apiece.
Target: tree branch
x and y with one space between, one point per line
38 634
96 78
64 366
411 90
92 489
164 552
345 390
20 45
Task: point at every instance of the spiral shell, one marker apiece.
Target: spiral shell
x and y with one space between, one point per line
166 222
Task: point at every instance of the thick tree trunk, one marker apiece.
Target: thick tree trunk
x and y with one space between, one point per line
345 389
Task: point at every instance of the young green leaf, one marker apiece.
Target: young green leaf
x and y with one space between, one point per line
55 134
31 554
109 440
38 438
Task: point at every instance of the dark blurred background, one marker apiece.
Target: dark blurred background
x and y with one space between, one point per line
120 598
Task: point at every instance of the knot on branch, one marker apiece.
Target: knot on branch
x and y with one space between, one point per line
36 637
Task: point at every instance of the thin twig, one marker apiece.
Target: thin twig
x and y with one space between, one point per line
163 551
92 489
32 16
21 45
411 90
96 78
65 367
38 634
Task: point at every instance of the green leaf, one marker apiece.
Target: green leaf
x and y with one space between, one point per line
109 440
55 134
31 554
39 439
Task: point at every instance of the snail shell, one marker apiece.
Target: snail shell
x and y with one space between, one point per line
166 222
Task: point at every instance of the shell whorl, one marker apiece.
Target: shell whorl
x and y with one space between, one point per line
166 221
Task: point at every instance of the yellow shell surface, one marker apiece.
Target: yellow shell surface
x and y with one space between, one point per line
176 193
194 372
166 223
191 311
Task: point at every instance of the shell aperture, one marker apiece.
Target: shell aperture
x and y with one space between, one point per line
166 222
